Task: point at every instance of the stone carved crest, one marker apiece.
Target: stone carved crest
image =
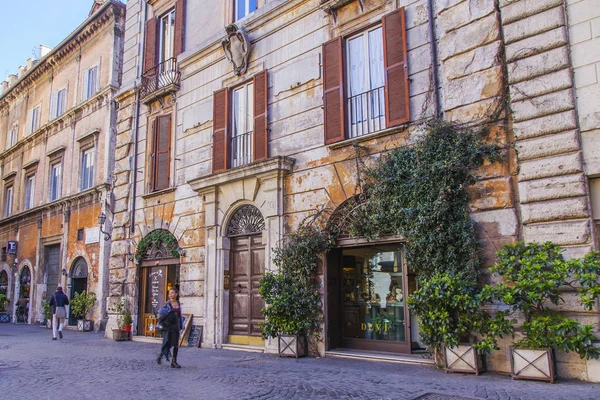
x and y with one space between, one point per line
237 48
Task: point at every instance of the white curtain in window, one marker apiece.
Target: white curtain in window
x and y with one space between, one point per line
376 78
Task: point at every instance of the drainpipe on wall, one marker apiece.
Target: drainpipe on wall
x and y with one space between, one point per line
434 60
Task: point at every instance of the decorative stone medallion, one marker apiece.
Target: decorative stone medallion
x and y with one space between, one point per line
237 48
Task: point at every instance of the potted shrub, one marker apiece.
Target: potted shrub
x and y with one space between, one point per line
81 304
453 324
535 276
124 321
47 311
293 303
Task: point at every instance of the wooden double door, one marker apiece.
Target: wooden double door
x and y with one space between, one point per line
246 268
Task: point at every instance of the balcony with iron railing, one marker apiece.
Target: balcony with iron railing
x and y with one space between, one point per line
164 78
366 113
241 149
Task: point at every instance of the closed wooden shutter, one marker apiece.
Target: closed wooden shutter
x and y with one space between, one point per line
221 141
150 44
333 90
261 139
162 150
397 106
179 27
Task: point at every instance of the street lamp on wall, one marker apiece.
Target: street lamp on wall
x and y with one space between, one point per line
101 220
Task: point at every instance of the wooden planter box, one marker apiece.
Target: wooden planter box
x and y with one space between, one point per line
120 335
292 346
463 358
535 364
85 325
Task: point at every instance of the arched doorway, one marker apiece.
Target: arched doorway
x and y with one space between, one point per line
246 267
22 311
3 283
158 255
366 284
79 274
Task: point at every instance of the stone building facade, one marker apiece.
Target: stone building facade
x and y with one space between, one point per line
238 120
57 141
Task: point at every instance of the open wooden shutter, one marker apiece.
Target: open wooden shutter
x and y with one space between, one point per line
150 44
333 90
260 140
179 27
397 106
221 141
162 150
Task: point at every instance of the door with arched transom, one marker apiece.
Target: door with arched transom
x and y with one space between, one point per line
79 275
246 268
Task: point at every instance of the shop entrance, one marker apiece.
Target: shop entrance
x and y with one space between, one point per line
366 292
157 280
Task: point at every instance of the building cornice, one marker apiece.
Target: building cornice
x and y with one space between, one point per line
109 12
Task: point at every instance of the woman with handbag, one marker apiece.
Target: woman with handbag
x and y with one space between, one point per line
171 321
59 312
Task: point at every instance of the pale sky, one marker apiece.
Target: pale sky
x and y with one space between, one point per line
28 23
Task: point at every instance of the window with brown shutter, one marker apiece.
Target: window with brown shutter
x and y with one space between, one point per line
396 71
161 150
260 142
365 80
220 132
179 27
150 44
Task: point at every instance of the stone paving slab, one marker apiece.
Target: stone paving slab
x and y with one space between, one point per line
87 366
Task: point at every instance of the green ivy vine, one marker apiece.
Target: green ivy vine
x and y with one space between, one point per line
421 192
157 238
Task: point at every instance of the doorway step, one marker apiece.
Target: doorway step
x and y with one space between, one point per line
146 339
365 355
243 347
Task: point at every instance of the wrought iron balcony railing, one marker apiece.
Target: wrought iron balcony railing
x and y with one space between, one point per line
165 75
366 113
241 149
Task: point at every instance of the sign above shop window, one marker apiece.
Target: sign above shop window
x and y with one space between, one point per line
12 247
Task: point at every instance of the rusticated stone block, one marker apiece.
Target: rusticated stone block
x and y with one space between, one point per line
119 248
516 10
491 194
550 145
545 125
496 223
556 210
116 263
551 166
121 219
473 88
538 65
468 37
543 105
464 13
536 44
562 233
473 61
541 85
552 188
537 23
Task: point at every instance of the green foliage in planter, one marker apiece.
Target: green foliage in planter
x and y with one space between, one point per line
47 310
421 192
157 238
536 276
82 303
449 308
121 308
293 303
3 302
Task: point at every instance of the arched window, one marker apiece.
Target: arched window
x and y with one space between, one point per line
79 269
247 220
3 282
25 283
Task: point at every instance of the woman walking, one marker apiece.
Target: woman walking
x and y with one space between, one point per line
172 321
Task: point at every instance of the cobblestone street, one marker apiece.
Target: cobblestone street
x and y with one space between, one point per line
86 366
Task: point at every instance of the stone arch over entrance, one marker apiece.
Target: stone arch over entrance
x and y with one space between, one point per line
158 257
246 268
78 281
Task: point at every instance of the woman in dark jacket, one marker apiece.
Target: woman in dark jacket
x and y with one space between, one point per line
172 321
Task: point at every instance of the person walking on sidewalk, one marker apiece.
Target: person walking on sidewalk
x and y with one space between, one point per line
172 321
59 311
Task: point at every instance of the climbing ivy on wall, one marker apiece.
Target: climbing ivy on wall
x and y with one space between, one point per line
421 192
156 239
